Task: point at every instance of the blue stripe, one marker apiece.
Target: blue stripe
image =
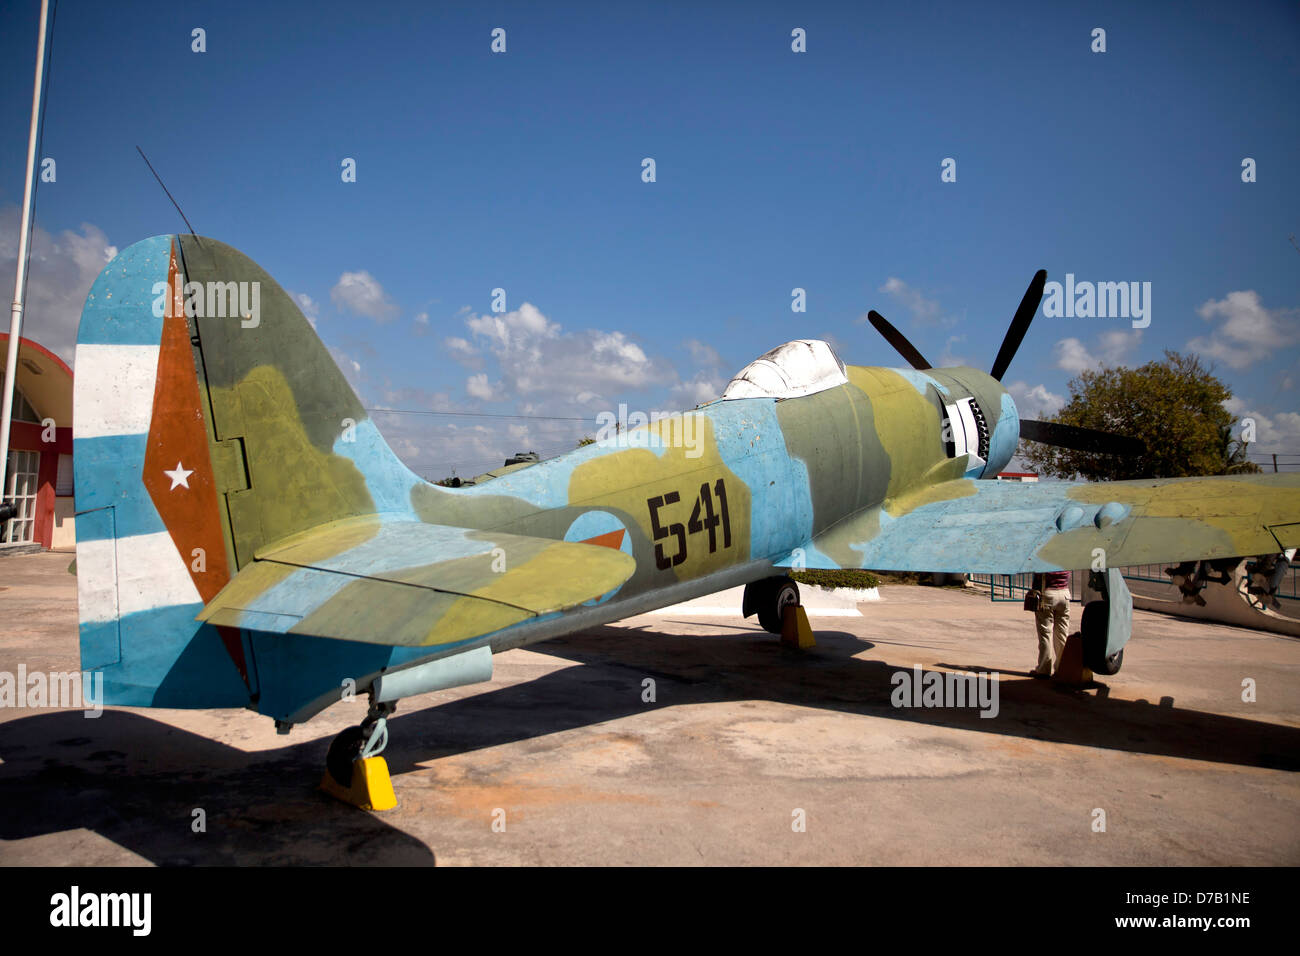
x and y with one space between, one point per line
751 444
108 473
100 646
120 307
168 660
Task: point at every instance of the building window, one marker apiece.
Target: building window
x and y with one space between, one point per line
63 483
20 488
23 411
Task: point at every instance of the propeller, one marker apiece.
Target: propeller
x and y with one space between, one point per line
1080 439
1048 433
1019 324
898 340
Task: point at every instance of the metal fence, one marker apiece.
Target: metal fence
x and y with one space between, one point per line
1012 587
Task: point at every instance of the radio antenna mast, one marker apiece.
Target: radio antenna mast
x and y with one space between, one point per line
168 192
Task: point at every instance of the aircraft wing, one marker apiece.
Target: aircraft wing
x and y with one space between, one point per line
405 582
1004 527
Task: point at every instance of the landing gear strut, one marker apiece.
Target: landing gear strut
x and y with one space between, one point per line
354 771
356 743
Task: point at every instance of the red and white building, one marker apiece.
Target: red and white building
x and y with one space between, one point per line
38 478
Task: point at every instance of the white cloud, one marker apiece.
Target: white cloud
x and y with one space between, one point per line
417 399
1073 356
1278 433
1113 349
464 352
1247 333
439 446
1035 401
702 354
925 311
704 387
478 387
309 306
438 441
360 292
62 269
946 358
541 362
349 366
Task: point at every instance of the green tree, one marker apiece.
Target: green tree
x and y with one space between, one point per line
1174 406
586 440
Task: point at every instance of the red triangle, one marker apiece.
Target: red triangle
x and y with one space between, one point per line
611 539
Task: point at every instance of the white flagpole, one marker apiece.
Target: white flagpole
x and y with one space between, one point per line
20 281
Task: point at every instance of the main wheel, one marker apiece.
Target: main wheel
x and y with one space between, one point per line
1099 663
344 749
1094 628
771 609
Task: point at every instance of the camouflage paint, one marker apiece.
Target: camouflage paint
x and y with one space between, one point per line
342 564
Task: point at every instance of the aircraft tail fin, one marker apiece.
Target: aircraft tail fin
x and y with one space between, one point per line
209 421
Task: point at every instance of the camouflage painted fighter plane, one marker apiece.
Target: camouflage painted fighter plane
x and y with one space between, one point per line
245 537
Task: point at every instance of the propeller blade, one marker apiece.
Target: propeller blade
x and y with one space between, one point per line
1020 324
898 340
1080 439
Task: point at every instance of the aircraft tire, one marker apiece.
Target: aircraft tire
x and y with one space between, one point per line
344 749
777 593
1093 627
1108 666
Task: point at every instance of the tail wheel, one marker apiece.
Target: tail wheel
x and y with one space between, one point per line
780 593
344 749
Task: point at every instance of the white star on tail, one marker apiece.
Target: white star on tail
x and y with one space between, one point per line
179 476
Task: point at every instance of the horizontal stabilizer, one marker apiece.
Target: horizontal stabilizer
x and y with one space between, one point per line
408 583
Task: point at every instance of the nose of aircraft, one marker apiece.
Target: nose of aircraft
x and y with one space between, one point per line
1005 437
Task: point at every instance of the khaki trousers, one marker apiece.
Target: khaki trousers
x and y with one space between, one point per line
1053 620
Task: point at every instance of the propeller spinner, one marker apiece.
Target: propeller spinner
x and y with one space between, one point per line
1048 433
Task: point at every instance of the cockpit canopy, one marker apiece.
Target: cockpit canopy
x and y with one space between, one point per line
801 367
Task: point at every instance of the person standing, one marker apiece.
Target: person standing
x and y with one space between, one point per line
1052 618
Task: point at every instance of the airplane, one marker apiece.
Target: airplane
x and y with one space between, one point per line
247 539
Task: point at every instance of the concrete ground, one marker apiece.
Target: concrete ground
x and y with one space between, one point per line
742 735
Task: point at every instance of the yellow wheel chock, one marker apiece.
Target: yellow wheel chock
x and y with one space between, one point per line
795 631
371 789
1070 669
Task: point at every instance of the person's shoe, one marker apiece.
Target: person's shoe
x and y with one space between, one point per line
1040 674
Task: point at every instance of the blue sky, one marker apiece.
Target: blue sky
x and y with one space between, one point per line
775 170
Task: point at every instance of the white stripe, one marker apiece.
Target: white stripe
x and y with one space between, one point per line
97 580
149 573
968 425
113 389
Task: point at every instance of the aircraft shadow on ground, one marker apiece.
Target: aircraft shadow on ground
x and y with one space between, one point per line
730 665
136 780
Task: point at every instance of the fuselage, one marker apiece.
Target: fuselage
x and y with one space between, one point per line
718 496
